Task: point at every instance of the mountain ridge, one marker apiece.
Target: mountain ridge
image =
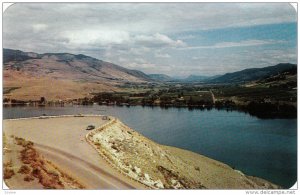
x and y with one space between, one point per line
160 77
251 74
68 60
29 75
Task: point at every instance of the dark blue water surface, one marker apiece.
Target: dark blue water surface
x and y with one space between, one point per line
266 148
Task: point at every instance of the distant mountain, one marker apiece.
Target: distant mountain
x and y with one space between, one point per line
73 73
196 78
252 74
74 66
160 77
199 78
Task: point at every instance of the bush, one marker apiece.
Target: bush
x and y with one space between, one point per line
28 178
24 169
8 173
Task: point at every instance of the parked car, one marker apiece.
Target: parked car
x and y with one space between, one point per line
90 127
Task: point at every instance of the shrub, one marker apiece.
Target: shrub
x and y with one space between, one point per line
8 173
24 169
28 178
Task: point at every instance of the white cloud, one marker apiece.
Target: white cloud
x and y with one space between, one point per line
245 43
39 27
141 50
162 55
133 33
115 39
187 37
196 58
96 36
140 60
143 66
157 40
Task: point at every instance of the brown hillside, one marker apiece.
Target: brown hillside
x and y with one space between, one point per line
61 76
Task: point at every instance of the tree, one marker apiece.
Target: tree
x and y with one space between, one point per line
43 100
191 101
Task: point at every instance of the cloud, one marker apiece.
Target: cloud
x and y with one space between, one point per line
119 39
187 37
39 27
96 36
140 60
157 40
271 57
165 36
139 50
144 66
162 55
196 58
245 43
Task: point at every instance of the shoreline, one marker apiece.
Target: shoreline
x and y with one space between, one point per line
267 112
116 120
87 138
173 155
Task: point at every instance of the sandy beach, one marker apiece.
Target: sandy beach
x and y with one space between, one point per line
38 152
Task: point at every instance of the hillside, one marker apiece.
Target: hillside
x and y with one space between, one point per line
165 167
160 77
28 75
199 78
252 74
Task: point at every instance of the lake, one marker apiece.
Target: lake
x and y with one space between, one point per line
265 148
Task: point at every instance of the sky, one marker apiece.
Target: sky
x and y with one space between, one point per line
177 39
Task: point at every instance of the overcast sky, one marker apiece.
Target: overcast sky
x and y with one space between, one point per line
177 39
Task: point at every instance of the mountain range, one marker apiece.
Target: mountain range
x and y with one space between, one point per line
65 65
29 75
252 74
161 77
62 75
246 75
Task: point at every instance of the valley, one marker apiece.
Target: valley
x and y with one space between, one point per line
61 79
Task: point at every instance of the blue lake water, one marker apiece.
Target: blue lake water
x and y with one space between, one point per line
266 148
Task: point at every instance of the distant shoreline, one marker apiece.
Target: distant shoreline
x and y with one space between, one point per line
260 110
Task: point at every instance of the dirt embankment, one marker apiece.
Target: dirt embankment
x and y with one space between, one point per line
160 167
21 160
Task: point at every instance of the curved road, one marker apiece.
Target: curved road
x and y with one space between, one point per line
62 141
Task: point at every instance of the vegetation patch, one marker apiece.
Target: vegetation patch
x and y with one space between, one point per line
173 180
35 166
24 169
28 178
8 173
